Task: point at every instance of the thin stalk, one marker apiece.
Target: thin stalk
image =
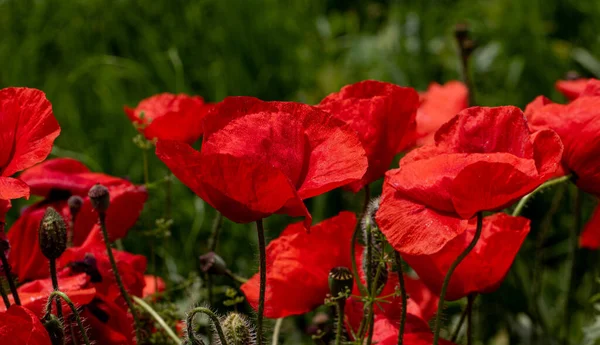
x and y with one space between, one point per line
459 259
470 301
54 278
571 262
339 307
8 275
73 335
519 208
4 296
236 277
463 317
276 331
361 286
213 241
371 314
398 262
263 280
212 316
58 294
168 196
158 318
113 264
146 170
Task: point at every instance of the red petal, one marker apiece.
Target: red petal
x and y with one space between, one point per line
118 329
571 88
12 188
299 264
590 237
153 285
20 326
27 129
535 105
592 88
416 332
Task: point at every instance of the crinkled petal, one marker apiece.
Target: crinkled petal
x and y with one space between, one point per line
571 88
12 188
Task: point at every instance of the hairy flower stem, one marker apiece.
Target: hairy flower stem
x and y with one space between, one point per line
519 208
58 295
158 318
113 264
8 275
212 316
276 331
398 263
4 296
339 307
470 301
263 280
456 332
371 313
213 241
361 287
459 259
54 278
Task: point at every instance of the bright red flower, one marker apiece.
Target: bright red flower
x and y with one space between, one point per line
109 323
20 326
170 117
260 158
439 104
484 269
483 159
153 285
57 180
416 332
34 295
27 130
298 265
571 88
382 114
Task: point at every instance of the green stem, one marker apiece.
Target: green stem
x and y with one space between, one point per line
571 262
341 303
168 196
263 280
459 259
276 331
371 314
212 316
463 317
158 319
146 170
523 201
8 275
73 336
54 278
361 286
58 294
113 264
470 301
236 277
213 240
4 296
398 262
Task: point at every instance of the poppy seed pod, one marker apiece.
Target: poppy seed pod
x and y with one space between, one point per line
100 198
55 329
212 263
340 281
75 202
237 330
52 234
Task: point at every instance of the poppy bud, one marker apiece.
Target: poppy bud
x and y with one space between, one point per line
461 32
75 202
100 198
52 234
55 329
237 330
212 263
340 281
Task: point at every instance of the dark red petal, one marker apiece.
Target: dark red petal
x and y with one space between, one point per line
12 188
571 88
299 264
27 129
20 326
118 329
590 237
484 268
535 105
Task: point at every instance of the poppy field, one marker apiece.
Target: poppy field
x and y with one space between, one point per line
414 188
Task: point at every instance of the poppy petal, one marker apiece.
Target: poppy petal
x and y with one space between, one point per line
20 326
12 188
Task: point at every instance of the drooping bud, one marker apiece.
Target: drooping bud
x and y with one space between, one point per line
55 329
100 198
212 263
237 330
340 281
52 234
75 202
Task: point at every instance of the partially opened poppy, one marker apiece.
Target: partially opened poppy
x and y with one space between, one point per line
260 158
439 104
483 159
57 180
298 265
27 131
20 326
484 268
382 114
170 117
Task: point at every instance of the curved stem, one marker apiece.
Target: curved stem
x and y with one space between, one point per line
158 318
276 331
212 316
4 296
8 275
236 277
263 280
341 303
519 208
58 294
113 264
54 278
371 314
459 259
398 262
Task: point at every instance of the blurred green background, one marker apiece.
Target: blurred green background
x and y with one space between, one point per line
92 57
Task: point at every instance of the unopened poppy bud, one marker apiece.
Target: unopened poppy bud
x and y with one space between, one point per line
75 202
461 32
237 330
55 329
52 234
100 198
340 281
212 263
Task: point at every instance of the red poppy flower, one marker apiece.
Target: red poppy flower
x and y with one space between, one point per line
170 117
439 104
260 158
20 326
483 159
34 295
382 114
57 180
483 270
153 285
571 88
27 130
108 323
299 264
416 332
